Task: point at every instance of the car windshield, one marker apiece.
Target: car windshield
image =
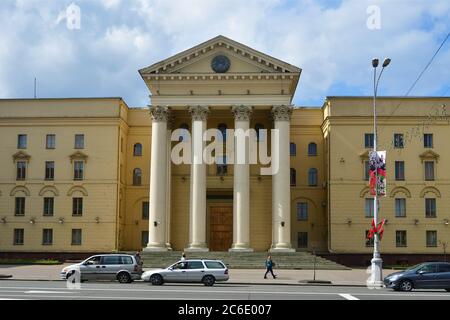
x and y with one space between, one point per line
417 266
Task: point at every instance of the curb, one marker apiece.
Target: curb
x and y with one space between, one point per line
233 283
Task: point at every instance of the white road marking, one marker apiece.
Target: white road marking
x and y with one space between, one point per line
348 296
47 292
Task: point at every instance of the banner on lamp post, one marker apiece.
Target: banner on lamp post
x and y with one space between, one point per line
377 172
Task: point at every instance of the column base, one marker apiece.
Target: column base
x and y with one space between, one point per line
376 278
197 248
156 249
240 248
282 247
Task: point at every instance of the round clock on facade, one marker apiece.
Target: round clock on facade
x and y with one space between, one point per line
221 64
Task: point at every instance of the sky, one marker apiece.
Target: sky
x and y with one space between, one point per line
332 41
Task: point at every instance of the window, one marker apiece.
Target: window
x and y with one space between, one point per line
144 239
137 150
21 170
145 210
428 140
369 242
398 141
127 260
368 140
302 211
312 149
400 208
49 170
369 208
79 141
214 265
400 238
429 170
430 208
293 149
47 237
223 129
137 177
22 141
432 238
50 141
78 170
111 260
293 177
76 237
48 207
18 237
312 177
260 132
77 206
302 240
399 170
222 167
184 136
195 265
366 170
20 206
429 268
444 268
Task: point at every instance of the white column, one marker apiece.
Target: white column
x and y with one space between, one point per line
158 179
197 221
241 194
170 125
281 187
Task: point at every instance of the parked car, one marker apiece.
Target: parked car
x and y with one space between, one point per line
431 275
122 267
207 272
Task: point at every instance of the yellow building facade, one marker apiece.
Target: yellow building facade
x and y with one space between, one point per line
94 175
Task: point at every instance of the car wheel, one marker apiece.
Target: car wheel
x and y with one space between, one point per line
157 280
406 285
209 281
124 277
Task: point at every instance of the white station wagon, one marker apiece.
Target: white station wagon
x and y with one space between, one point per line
207 272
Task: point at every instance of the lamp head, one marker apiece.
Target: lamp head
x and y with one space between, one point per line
386 62
375 62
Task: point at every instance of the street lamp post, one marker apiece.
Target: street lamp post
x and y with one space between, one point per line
377 262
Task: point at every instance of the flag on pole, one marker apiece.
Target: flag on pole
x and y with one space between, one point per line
377 173
376 230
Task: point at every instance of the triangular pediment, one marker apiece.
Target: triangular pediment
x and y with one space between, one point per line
78 156
197 60
429 155
21 156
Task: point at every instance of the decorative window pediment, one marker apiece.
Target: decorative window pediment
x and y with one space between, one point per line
429 155
397 190
78 156
21 156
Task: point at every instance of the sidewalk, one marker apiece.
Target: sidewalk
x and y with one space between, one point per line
354 277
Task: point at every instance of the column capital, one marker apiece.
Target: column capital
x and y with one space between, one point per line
282 113
242 112
199 113
159 113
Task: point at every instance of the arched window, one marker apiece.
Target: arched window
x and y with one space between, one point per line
293 177
312 149
293 149
137 151
312 177
260 134
185 134
137 177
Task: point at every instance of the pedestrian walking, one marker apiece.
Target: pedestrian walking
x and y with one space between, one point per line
269 267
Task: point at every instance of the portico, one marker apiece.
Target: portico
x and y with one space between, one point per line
220 84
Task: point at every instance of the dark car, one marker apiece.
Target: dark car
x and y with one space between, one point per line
430 275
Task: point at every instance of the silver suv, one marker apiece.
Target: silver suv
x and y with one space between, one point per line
122 267
200 271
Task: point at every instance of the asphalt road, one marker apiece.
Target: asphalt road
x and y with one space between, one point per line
42 290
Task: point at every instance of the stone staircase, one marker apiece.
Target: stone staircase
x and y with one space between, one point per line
254 260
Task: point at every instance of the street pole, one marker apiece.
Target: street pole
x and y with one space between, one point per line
377 262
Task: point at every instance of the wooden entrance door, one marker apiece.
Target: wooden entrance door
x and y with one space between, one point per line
221 228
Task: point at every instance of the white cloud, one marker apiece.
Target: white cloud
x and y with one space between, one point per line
331 43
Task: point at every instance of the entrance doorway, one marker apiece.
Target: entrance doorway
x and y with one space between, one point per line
221 228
